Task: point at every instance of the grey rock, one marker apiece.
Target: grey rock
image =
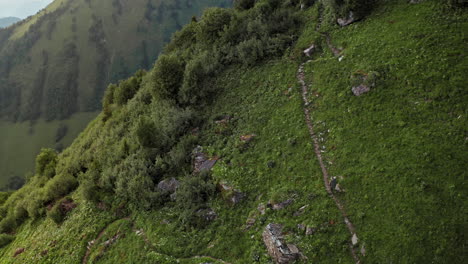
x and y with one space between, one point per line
261 208
347 20
207 214
309 50
301 227
310 231
360 89
234 196
281 252
169 185
354 239
279 206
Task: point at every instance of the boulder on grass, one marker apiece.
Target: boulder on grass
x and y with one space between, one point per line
281 252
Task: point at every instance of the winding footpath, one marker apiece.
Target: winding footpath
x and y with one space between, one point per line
142 234
326 176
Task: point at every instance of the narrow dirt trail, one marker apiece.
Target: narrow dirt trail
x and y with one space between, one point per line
141 233
326 176
150 245
92 242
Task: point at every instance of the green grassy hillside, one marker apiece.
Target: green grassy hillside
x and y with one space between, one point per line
59 62
230 83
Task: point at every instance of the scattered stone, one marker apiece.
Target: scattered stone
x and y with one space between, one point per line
234 196
333 183
247 138
354 239
18 251
309 50
250 222
301 227
207 214
271 164
360 89
310 231
300 210
201 161
261 208
281 252
363 250
169 185
44 252
338 188
224 120
347 20
279 206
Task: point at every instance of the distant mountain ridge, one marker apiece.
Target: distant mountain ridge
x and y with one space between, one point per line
7 21
43 68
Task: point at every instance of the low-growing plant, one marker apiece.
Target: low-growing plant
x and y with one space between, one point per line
5 239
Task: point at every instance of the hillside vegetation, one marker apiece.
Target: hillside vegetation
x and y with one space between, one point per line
227 87
56 64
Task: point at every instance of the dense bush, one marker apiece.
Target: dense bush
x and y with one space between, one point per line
59 186
212 24
46 162
7 224
192 195
59 211
244 4
166 76
5 239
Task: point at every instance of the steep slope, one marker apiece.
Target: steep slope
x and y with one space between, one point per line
236 83
55 66
7 21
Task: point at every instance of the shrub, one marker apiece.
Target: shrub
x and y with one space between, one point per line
59 211
244 4
192 195
5 239
184 38
46 162
126 90
212 24
20 213
196 75
149 135
59 186
167 76
8 224
108 100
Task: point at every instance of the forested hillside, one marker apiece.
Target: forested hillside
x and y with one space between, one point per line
276 131
55 65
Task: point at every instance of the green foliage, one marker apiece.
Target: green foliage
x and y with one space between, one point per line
5 239
244 4
46 162
59 211
59 186
166 76
192 195
7 224
212 24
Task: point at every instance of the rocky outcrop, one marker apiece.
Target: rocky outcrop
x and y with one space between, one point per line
207 214
281 205
201 162
281 252
346 20
309 50
169 185
360 89
234 196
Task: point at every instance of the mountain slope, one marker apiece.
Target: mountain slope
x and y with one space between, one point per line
7 21
55 65
59 61
231 83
